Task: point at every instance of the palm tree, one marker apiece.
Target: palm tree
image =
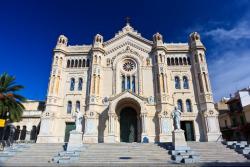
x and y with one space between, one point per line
11 108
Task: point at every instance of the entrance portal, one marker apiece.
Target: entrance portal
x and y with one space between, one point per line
188 127
128 125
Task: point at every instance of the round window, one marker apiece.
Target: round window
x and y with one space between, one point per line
128 65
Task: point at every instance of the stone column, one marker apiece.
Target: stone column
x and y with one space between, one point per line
144 135
111 128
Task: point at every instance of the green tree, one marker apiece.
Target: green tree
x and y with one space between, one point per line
11 107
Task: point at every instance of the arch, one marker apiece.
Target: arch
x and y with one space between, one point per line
177 82
83 63
78 106
185 82
80 63
69 107
23 133
188 60
88 62
188 105
184 61
80 84
68 63
72 84
180 105
72 64
176 61
172 61
168 62
161 60
76 63
95 59
201 57
180 60
61 60
33 133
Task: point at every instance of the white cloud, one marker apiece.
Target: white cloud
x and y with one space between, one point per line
240 31
229 63
230 72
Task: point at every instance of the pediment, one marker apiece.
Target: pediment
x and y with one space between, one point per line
127 94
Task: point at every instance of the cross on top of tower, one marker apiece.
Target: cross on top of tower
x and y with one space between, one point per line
127 20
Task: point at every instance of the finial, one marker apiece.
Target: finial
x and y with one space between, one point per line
127 20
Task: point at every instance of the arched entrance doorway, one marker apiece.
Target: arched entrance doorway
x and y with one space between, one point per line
128 125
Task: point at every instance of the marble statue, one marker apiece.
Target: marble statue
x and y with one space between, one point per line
176 115
78 120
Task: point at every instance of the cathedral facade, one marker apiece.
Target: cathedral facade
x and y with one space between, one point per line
127 88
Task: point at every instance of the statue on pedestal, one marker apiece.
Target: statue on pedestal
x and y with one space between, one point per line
176 115
78 120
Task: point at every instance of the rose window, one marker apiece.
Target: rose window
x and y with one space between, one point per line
128 66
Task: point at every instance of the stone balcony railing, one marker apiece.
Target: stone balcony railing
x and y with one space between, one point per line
32 113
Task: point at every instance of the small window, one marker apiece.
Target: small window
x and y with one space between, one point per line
69 107
80 84
179 105
72 64
72 84
68 63
188 105
185 83
177 83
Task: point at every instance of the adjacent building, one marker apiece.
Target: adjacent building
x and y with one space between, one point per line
234 116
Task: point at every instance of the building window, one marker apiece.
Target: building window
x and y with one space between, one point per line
87 64
123 83
77 106
68 63
177 83
133 84
185 83
188 105
128 82
168 61
72 84
80 84
179 105
80 63
69 107
72 63
83 63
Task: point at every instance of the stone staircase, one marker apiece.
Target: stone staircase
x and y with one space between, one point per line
216 152
125 154
34 155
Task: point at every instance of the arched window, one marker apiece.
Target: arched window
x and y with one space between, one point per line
184 61
95 59
196 58
123 83
80 84
80 63
72 63
77 106
133 84
68 63
177 82
83 63
72 84
100 59
76 63
168 61
56 60
179 105
189 62
185 83
161 58
188 105
87 64
172 61
69 107
180 61
176 61
201 57
128 82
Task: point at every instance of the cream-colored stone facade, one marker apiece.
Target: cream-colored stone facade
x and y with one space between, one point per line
129 73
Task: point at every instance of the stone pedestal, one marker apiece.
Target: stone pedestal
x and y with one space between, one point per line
75 141
110 138
89 138
179 141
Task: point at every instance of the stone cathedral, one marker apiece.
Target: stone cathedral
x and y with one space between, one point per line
127 87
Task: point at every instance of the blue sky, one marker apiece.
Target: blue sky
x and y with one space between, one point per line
29 30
